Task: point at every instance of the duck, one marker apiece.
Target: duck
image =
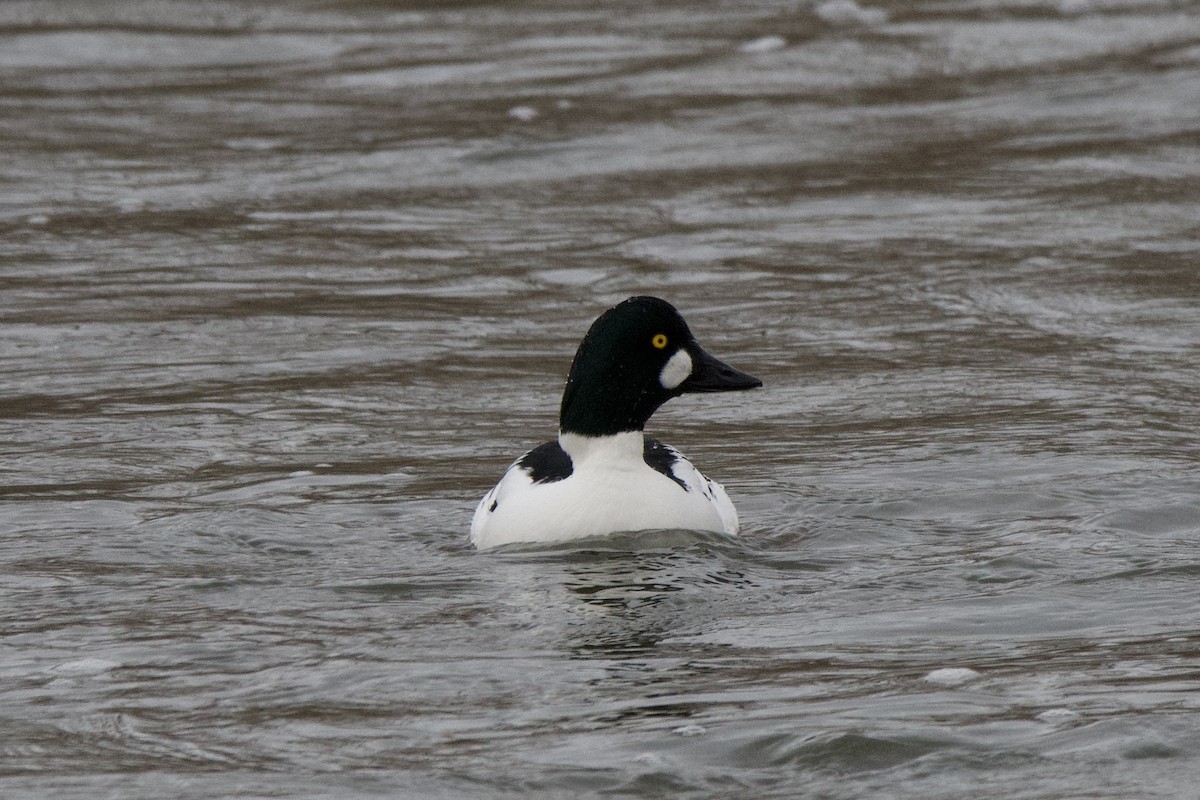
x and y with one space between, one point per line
604 474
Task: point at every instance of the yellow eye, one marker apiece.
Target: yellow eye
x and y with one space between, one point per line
659 341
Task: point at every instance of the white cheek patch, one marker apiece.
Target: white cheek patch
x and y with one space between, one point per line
676 370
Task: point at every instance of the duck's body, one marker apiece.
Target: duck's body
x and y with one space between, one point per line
579 486
603 475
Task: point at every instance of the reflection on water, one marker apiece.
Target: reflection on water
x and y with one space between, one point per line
285 288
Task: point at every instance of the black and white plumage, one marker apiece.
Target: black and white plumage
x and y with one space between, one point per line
603 474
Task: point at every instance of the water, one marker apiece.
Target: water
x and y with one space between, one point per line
285 289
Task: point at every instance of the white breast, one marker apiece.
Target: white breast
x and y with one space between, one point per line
610 489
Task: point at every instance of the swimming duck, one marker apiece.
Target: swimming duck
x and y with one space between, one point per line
603 474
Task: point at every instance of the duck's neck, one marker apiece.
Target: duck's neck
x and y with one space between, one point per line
615 447
607 407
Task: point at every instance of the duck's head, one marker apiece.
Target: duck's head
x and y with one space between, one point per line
635 357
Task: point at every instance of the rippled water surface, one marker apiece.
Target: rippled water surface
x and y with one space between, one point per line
286 288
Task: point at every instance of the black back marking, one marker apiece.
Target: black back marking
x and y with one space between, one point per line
546 463
660 458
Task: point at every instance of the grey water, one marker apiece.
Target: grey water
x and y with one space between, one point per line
284 288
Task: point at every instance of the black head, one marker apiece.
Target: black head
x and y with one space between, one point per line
635 357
